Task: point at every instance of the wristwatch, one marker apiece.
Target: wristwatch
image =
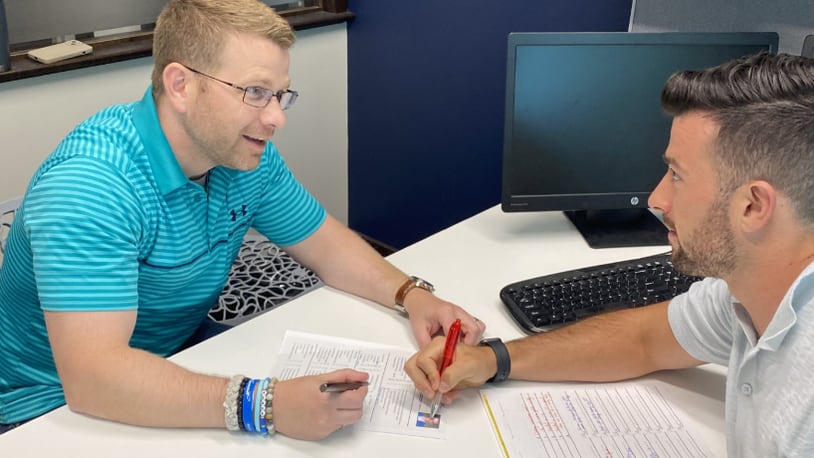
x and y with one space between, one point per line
504 362
406 287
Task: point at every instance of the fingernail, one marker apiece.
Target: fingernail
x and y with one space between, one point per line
444 387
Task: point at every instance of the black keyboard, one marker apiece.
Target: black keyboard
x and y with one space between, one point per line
548 302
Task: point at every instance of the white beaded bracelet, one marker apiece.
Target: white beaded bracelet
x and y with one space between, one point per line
230 402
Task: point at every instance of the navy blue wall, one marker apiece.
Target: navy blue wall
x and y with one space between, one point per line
426 85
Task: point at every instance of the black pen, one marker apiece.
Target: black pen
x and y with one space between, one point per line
340 386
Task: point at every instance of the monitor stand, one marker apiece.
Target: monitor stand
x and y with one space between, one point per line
619 228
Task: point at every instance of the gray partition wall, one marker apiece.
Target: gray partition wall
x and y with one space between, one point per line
792 19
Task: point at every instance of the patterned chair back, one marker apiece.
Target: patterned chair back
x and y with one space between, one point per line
7 210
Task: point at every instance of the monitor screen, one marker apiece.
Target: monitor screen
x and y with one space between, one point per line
584 131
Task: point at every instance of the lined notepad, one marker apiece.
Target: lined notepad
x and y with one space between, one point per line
626 419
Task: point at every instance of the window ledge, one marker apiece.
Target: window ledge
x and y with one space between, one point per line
106 51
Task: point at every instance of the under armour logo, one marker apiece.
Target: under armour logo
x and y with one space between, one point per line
234 212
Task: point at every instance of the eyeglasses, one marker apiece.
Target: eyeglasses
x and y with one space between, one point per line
257 96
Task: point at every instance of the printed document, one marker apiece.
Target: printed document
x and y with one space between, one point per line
628 419
392 405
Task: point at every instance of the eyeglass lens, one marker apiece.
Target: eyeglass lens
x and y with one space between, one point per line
260 97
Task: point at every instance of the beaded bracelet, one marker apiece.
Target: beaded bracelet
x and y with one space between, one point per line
238 398
263 397
267 419
248 403
230 402
265 406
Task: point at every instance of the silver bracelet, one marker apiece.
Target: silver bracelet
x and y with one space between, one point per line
230 402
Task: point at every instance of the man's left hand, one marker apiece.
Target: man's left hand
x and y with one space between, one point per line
431 316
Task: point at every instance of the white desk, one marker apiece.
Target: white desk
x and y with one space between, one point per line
468 263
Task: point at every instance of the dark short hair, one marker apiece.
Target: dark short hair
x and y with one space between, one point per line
764 107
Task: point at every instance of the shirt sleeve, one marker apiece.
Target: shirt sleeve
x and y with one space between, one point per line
287 213
702 320
82 220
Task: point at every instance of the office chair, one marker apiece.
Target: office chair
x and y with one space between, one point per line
7 210
808 46
262 277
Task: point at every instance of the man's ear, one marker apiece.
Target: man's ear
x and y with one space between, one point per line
758 201
177 85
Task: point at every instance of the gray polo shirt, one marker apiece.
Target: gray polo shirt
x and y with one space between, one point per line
769 395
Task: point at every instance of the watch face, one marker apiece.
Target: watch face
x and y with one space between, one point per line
423 284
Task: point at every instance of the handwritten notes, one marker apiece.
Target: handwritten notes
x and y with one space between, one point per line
591 420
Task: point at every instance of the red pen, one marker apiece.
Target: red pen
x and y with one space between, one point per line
449 352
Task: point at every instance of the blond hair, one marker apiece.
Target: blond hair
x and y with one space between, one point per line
193 32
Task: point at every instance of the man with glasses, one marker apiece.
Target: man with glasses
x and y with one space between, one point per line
128 230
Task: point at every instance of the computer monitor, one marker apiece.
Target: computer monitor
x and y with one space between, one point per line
584 131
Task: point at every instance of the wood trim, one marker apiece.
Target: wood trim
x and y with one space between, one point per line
335 6
133 46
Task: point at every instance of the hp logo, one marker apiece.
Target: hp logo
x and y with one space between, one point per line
634 201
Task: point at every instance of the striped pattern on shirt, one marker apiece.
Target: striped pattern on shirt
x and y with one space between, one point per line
110 223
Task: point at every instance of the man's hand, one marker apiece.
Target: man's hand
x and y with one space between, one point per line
301 411
471 366
431 316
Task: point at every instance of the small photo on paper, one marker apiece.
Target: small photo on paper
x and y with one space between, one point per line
425 420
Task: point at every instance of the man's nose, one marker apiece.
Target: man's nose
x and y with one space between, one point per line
660 197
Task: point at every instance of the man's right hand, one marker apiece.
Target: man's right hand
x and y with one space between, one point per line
300 410
471 366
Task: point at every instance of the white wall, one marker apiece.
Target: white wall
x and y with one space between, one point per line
35 114
314 142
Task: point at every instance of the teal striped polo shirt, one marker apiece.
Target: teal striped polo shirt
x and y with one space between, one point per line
110 222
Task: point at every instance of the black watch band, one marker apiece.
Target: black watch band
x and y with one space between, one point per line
504 362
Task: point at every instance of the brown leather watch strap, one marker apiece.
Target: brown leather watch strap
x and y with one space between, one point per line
407 286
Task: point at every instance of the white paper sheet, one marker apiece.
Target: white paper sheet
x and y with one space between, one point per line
627 419
392 405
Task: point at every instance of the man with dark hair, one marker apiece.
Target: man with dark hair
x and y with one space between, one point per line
737 199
